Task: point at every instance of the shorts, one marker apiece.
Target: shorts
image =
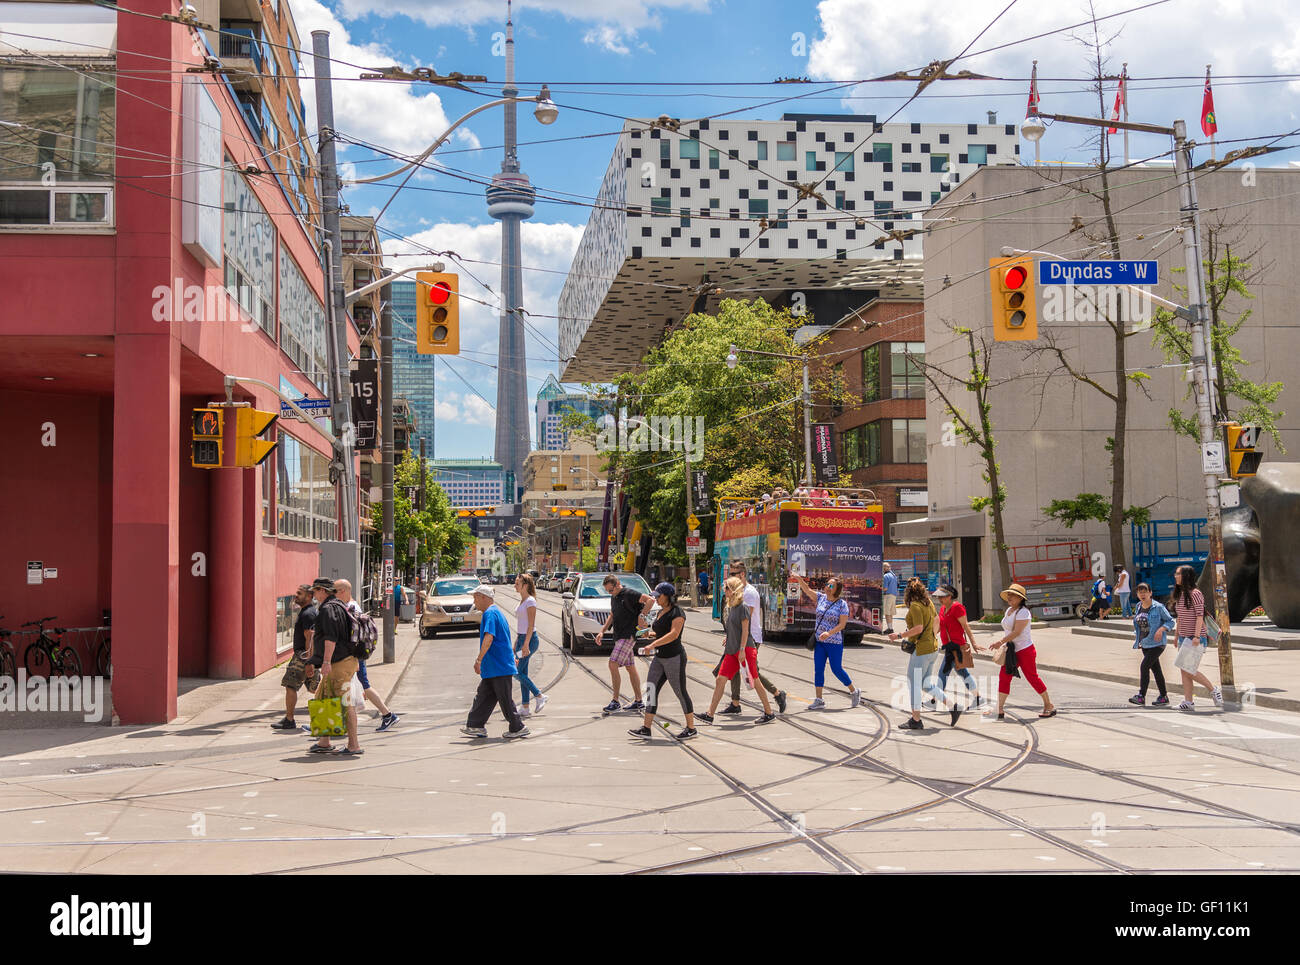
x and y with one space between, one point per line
361 675
1189 655
299 672
336 684
622 652
731 664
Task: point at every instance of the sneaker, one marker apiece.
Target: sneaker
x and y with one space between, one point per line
1187 706
512 734
1139 699
613 707
855 698
704 718
929 705
524 711
953 715
389 720
285 724
1161 701
637 706
542 700
1217 696
686 733
305 729
766 719
730 709
642 732
911 724
817 704
781 701
474 731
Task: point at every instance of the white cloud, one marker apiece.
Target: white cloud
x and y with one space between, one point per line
630 14
1235 37
463 408
397 116
607 37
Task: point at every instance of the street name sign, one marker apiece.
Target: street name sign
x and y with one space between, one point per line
1053 272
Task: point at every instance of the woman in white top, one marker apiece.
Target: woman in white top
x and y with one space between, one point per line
1015 633
526 641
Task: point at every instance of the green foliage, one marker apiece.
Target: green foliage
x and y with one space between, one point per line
436 528
752 416
1091 507
1225 278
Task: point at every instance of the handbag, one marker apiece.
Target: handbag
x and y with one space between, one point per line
811 642
326 717
999 654
1212 630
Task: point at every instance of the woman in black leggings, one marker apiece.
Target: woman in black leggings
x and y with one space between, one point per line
669 665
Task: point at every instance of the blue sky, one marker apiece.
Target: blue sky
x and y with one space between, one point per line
641 58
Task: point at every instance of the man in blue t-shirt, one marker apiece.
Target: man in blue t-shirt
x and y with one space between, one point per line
889 603
496 665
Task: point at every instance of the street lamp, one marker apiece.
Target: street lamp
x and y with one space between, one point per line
546 112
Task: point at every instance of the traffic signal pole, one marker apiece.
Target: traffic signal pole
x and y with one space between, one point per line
388 539
1203 373
337 342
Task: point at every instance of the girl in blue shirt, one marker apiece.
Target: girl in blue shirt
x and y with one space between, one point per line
1152 623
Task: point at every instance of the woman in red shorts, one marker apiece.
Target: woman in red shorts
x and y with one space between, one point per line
739 646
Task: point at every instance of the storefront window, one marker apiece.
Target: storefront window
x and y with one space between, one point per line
306 507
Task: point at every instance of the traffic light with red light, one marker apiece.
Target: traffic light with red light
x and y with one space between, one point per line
1015 314
208 426
437 313
251 423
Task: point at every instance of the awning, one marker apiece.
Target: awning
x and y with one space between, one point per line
940 526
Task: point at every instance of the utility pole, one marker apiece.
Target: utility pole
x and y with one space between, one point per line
386 455
337 342
419 581
690 511
807 427
1202 346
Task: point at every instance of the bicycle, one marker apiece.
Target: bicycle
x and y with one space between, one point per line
104 655
46 653
8 665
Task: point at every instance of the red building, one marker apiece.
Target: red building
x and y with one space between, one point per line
156 235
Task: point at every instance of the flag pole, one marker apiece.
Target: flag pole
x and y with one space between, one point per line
1123 83
1216 121
1033 97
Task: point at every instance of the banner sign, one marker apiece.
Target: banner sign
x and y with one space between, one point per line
365 403
825 467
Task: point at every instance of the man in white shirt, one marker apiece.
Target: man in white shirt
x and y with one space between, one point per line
344 590
751 600
1122 589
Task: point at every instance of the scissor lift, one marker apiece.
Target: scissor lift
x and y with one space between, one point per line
1056 576
1163 545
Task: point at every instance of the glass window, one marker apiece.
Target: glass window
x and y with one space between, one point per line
908 440
665 149
758 208
660 206
810 160
977 154
871 374
713 159
306 508
882 152
843 160
70 120
861 446
906 378
938 163
302 322
689 150
785 150
883 209
762 150
837 390
249 251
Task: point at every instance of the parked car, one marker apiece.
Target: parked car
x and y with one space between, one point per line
586 608
449 605
569 581
510 579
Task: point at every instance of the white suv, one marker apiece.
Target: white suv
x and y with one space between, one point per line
587 608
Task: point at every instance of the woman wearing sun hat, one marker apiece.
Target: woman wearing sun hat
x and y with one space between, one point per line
1015 633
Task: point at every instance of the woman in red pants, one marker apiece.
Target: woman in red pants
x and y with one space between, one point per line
1015 634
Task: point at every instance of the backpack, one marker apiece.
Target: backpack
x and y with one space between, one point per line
364 634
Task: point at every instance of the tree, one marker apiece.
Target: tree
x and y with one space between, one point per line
1228 275
977 429
437 529
1094 507
1112 386
750 414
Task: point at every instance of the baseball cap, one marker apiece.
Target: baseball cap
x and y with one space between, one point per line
666 589
485 589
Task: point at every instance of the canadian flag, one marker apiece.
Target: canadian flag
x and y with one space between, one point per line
1120 98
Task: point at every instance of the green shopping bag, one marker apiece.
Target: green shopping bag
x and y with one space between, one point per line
327 717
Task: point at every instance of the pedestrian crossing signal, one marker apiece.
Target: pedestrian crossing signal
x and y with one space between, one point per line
437 313
1243 459
1015 314
207 427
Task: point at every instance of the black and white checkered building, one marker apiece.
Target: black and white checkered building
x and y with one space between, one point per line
685 208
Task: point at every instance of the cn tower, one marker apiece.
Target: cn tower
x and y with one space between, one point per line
510 200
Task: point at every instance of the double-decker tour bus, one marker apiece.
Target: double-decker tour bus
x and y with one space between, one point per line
837 532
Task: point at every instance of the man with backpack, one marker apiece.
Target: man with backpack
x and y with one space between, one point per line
1100 598
365 629
334 634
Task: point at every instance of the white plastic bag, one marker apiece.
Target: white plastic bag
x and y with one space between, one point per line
356 695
